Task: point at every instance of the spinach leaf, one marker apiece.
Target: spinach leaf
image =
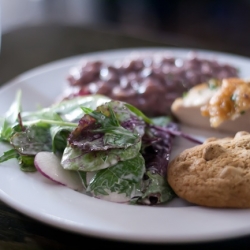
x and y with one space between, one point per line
156 189
67 110
76 159
33 140
111 125
124 179
59 136
26 163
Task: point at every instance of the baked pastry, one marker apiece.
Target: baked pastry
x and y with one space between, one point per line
216 105
215 173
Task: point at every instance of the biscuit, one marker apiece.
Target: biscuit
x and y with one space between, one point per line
215 173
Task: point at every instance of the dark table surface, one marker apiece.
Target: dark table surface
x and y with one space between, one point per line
29 47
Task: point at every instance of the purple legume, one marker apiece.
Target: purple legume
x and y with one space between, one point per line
149 83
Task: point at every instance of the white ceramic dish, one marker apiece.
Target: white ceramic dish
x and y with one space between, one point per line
58 206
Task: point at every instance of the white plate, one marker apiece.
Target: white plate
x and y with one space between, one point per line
58 206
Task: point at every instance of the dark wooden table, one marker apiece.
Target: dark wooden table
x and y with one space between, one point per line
30 47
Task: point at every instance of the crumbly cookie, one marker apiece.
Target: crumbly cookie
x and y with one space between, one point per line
214 174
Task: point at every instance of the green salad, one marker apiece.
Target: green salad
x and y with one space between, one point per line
106 148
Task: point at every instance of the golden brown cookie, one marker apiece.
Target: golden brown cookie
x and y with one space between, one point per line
214 174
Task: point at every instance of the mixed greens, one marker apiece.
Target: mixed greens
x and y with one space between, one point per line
117 152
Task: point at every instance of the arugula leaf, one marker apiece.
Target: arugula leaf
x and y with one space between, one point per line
139 113
120 115
111 125
7 155
7 131
42 115
87 110
26 163
11 118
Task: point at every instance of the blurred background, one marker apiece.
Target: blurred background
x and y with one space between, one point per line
35 32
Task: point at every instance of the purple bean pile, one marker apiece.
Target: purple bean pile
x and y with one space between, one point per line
150 84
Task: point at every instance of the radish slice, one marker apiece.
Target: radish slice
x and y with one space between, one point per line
49 165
